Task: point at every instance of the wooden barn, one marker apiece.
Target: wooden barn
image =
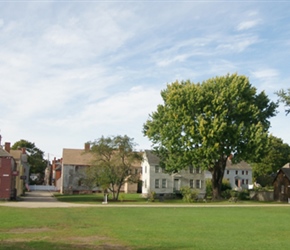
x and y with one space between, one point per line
281 185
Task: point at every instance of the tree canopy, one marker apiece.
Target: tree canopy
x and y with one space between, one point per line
277 155
284 97
114 158
203 124
35 156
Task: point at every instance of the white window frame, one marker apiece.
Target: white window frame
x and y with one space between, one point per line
164 183
198 184
157 183
191 183
157 169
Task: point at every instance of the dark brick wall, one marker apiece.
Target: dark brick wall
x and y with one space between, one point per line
5 177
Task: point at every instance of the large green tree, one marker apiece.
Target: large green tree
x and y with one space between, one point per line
205 123
277 155
35 156
284 97
114 158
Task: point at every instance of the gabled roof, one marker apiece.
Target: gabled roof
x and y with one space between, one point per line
286 171
152 158
4 153
76 157
238 166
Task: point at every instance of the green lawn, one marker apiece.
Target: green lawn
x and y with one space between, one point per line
145 228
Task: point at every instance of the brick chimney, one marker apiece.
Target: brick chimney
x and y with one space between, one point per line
87 146
7 146
23 150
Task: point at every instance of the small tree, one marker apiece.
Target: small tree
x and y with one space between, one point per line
114 158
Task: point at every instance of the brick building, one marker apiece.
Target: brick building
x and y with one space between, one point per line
7 174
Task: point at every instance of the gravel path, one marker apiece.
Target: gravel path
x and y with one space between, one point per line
45 199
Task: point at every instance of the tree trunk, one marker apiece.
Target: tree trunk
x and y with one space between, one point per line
217 177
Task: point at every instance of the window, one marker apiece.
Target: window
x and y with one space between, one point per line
243 181
243 172
228 171
191 183
197 170
247 181
156 169
237 171
198 184
164 183
156 183
191 169
247 172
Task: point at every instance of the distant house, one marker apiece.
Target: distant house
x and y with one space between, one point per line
155 179
56 172
239 175
22 169
281 184
7 174
73 172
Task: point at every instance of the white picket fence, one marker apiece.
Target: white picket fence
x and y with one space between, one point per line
43 188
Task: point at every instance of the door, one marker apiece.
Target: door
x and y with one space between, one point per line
176 186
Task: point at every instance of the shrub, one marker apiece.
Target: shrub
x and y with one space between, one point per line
208 188
225 188
151 196
122 197
226 185
189 195
244 195
226 194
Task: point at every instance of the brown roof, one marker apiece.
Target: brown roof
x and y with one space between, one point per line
238 166
76 157
16 154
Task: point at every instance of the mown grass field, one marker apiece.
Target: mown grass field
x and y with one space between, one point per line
145 228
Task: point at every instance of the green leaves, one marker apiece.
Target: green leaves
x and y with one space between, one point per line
284 97
202 124
35 156
114 158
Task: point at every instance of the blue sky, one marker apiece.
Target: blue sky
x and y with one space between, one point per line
72 71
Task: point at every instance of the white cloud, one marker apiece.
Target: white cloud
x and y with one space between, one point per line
71 72
265 73
245 25
236 44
